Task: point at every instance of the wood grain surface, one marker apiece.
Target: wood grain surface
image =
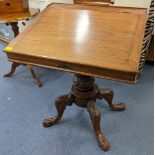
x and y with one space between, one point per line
7 6
15 17
100 41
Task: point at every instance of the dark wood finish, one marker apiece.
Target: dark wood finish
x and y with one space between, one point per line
113 45
84 93
150 56
13 69
34 76
10 6
15 28
92 2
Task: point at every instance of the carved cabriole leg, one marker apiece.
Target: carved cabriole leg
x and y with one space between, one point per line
107 94
36 80
13 69
60 104
95 118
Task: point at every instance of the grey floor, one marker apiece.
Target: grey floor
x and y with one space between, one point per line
23 107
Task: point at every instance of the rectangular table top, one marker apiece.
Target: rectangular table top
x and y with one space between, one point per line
97 41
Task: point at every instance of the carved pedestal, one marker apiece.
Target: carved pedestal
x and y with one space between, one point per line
15 29
84 93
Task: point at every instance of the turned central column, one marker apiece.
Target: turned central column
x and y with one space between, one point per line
84 89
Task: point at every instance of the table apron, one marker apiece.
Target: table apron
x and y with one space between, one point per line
74 68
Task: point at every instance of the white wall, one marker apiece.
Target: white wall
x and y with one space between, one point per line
128 3
40 4
61 1
133 3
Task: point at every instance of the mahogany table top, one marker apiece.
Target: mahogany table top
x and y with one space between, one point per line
97 41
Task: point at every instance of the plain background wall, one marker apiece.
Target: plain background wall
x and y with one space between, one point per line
133 3
128 3
61 1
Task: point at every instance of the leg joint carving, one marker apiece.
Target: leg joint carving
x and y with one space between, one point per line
65 99
106 94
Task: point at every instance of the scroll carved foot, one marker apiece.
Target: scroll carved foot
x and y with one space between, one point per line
60 104
34 76
107 94
95 118
13 69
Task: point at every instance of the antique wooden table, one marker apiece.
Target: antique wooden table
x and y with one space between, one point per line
12 18
89 41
